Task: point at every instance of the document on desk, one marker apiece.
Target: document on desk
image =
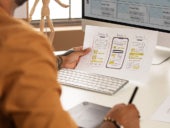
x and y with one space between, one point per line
163 112
119 52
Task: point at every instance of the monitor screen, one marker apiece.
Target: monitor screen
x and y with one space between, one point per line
152 14
144 14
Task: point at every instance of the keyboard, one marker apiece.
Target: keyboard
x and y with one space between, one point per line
90 81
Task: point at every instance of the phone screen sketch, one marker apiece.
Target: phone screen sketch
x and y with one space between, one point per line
117 52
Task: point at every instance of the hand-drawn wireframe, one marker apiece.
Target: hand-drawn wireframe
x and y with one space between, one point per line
99 49
136 53
45 13
117 52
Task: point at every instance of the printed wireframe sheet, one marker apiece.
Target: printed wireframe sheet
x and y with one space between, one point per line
125 53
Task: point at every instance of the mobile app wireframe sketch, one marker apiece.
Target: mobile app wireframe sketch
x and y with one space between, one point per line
99 49
117 53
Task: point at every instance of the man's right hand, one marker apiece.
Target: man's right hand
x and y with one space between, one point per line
125 115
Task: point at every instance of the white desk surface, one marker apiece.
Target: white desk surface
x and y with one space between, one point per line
149 96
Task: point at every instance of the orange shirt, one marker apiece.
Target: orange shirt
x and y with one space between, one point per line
29 93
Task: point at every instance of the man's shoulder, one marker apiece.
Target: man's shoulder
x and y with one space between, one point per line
28 32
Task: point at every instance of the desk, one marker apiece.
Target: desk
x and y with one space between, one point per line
149 96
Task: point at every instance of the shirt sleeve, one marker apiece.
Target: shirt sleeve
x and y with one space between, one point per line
31 93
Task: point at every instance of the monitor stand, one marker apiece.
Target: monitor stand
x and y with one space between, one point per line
161 54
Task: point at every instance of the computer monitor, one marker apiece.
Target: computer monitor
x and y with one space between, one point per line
141 14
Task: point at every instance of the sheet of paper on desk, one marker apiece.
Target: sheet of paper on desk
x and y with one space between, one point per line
119 52
163 112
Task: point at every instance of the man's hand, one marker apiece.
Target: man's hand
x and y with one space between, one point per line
125 115
71 60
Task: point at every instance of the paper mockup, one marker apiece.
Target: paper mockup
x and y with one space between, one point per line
119 52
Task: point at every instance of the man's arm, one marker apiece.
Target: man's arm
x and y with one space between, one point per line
32 98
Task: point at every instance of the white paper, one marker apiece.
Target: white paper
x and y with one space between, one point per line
163 112
119 52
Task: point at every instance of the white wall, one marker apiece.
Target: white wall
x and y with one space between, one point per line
21 12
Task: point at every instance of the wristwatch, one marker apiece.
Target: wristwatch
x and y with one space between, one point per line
59 58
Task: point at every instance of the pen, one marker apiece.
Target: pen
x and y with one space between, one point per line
133 95
68 52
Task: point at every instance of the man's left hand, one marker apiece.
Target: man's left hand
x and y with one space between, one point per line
71 60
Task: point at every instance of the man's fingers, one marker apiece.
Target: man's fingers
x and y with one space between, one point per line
87 50
82 52
78 48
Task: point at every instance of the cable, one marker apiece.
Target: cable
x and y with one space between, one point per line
162 61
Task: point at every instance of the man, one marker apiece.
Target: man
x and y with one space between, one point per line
29 93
